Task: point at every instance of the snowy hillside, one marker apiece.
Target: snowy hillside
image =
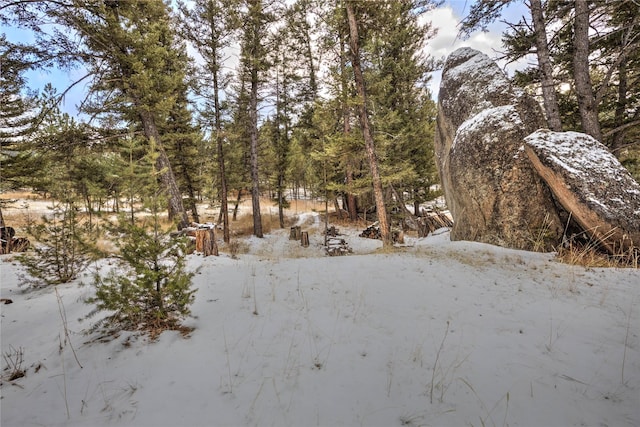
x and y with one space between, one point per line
436 333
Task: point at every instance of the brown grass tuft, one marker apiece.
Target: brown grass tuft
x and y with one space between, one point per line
588 254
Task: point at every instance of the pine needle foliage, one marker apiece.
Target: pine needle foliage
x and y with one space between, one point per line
63 251
149 289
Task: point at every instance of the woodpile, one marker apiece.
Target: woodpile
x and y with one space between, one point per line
431 221
373 232
10 243
337 247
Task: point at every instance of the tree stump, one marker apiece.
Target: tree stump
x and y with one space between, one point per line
295 233
206 241
304 239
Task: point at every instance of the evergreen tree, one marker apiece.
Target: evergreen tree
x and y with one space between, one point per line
149 289
17 115
129 51
184 148
254 64
365 124
404 112
64 249
594 65
208 26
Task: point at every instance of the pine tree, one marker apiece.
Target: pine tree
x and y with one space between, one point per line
404 112
128 49
17 115
149 289
365 125
208 26
184 148
64 250
254 64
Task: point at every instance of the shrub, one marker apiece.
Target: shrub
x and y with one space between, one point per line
63 252
149 288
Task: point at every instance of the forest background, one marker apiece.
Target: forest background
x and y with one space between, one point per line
217 100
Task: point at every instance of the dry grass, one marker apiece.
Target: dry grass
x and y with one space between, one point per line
235 247
21 194
243 225
588 254
303 205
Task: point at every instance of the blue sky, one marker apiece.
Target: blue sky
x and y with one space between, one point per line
445 18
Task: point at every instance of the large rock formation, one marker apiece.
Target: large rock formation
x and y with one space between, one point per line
494 194
510 183
589 182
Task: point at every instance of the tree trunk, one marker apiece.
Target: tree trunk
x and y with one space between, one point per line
192 197
346 119
352 205
621 106
176 208
366 130
255 183
224 209
337 208
281 142
584 90
235 208
544 62
253 118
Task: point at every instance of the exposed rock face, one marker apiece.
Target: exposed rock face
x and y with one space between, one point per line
589 182
494 194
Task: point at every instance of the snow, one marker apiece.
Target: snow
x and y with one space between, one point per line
585 154
504 117
432 333
475 76
590 165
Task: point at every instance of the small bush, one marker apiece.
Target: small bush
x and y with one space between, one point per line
63 251
13 360
149 288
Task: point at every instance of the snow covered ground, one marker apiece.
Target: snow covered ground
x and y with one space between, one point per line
435 333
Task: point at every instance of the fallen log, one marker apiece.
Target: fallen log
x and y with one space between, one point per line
432 221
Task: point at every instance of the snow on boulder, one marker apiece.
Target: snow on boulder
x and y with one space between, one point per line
493 192
590 183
